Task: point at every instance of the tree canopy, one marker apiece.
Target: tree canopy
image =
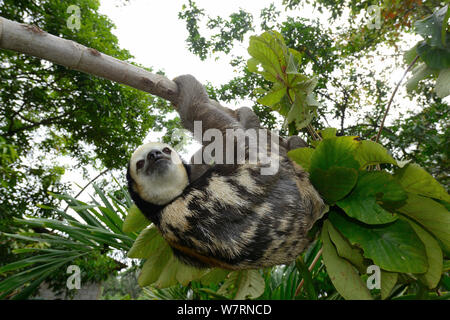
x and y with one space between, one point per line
327 78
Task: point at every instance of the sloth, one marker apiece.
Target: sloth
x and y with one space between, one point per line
219 214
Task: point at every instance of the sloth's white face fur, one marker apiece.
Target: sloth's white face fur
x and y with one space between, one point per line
158 179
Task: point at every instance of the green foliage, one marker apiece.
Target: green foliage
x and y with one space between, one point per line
434 51
292 93
333 168
243 284
135 220
396 217
48 112
227 31
370 214
68 241
344 276
373 191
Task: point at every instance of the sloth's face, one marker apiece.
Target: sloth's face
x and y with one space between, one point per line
153 159
158 172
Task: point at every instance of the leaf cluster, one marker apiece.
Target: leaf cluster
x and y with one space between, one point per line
396 220
433 50
292 92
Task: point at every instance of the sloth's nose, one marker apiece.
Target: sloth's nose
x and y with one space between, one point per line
154 155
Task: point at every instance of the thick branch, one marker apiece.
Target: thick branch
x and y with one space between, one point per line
33 41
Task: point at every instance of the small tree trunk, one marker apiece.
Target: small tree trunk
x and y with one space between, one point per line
33 41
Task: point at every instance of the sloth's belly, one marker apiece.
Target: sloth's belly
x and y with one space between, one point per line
232 222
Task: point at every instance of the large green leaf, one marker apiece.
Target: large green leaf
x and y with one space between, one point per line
344 276
147 243
369 153
419 73
435 58
373 190
430 214
388 281
267 49
434 254
433 27
162 268
328 133
335 152
443 83
135 220
335 183
155 265
272 97
415 179
345 249
302 156
245 283
214 276
186 274
393 247
168 275
333 168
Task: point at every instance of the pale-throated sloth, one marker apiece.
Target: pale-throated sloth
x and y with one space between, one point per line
223 215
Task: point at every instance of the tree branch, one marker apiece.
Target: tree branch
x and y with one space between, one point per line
33 41
392 97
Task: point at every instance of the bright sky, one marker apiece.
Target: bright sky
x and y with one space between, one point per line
152 32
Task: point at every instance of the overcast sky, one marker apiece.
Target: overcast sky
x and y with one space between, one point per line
152 32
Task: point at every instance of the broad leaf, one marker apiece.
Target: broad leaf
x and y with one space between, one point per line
344 276
443 83
155 265
345 249
415 179
135 220
369 153
333 168
433 27
175 272
430 214
335 183
168 275
434 254
245 283
388 281
302 156
393 247
186 274
419 73
250 284
214 276
272 97
435 58
328 133
267 50
373 190
147 243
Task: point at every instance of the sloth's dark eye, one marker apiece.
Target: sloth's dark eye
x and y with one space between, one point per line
140 164
167 150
